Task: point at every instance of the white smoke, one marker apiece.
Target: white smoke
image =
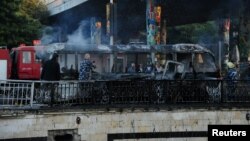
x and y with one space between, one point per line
77 37
50 35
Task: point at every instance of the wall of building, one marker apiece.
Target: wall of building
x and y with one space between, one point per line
97 125
58 6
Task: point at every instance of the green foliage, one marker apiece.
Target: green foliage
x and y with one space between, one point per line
35 9
194 33
21 21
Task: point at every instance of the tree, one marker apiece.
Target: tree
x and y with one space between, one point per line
35 9
21 21
205 33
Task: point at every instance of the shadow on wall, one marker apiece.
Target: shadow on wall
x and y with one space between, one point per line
66 137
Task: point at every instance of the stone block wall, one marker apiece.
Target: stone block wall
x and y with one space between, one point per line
97 125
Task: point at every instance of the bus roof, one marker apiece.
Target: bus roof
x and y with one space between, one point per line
135 48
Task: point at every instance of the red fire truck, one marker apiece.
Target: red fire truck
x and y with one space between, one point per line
5 63
20 63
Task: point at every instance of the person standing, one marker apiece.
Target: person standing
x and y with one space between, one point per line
158 68
132 68
231 77
85 68
140 69
149 68
51 72
51 69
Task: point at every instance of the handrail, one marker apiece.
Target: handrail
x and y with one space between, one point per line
36 94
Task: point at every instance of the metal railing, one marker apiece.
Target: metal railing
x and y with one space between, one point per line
16 93
32 94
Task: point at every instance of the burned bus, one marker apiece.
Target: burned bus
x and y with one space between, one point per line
179 61
110 61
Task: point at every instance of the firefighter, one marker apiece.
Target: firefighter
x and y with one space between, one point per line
231 72
231 77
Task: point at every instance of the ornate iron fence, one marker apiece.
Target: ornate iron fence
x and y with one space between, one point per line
16 93
30 94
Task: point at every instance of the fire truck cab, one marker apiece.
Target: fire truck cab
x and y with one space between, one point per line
25 64
21 63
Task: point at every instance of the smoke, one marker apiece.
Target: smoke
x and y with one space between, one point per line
50 35
78 37
58 34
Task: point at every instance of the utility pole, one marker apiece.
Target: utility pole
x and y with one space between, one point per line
111 36
153 21
111 29
224 33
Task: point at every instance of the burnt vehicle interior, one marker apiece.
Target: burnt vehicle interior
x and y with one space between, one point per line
198 65
196 62
173 70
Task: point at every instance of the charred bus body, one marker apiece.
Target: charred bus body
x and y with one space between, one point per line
179 61
183 64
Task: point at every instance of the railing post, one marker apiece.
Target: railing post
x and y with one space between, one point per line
52 94
222 92
32 93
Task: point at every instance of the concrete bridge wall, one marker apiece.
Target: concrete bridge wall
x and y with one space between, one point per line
98 125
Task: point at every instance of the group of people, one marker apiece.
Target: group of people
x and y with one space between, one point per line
150 68
51 69
51 72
